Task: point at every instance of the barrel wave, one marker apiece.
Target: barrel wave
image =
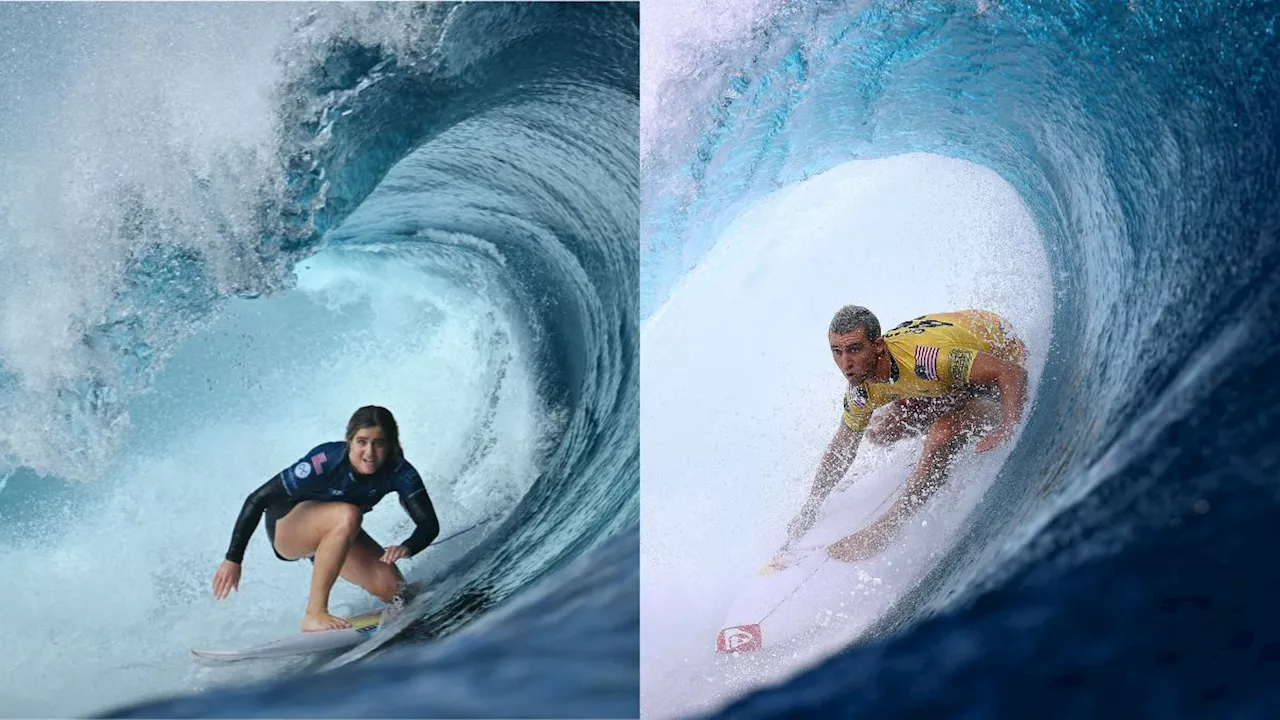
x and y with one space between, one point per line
227 227
1111 565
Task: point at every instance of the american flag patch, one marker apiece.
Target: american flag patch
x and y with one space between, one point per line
927 362
317 460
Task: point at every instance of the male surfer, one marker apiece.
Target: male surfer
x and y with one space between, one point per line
950 375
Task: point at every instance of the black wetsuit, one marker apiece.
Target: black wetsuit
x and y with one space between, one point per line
325 473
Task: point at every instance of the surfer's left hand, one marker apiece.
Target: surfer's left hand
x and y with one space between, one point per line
393 553
858 546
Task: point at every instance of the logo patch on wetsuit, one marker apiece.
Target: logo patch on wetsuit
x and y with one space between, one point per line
317 461
961 364
926 362
302 470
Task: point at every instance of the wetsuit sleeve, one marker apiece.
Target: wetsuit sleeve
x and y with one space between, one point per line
423 514
416 502
271 491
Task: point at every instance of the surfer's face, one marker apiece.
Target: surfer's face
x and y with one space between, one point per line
367 450
856 356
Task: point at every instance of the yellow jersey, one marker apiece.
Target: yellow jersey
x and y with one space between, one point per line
932 355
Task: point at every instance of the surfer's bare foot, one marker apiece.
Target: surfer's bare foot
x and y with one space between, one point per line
313 622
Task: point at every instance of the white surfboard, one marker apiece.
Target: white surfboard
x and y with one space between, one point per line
800 589
303 643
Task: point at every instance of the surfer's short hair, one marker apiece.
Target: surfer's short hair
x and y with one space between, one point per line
371 416
855 317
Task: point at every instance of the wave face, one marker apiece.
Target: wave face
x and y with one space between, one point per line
1112 565
225 228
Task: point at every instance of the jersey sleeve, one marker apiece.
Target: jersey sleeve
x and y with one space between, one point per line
408 482
308 473
955 365
857 408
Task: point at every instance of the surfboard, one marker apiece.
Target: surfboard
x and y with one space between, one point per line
303 643
799 591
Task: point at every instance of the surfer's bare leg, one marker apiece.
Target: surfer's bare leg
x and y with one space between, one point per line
363 567
948 433
946 436
324 531
331 555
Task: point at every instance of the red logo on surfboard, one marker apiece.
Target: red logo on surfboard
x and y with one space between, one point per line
740 638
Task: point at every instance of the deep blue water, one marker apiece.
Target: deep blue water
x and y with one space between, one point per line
467 166
1120 565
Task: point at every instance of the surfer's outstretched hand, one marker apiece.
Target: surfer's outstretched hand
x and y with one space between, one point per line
226 579
859 546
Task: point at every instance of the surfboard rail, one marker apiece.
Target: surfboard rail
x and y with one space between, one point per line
302 643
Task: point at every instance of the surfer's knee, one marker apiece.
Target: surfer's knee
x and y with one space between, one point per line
385 583
946 432
953 428
345 518
975 416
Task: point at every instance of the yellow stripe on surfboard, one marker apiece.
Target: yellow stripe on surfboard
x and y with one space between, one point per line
367 620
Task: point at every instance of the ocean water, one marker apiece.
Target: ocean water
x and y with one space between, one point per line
1101 173
224 227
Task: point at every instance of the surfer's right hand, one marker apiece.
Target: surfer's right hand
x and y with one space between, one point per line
226 579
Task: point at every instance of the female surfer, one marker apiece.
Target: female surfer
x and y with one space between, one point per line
314 510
